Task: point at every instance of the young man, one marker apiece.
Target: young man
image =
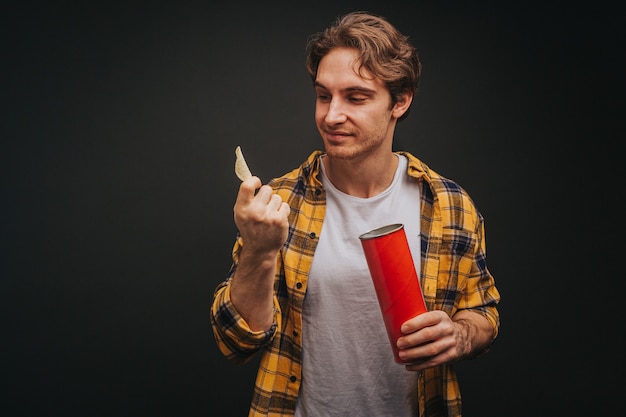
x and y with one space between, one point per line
299 289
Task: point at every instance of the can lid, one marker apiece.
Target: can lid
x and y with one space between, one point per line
381 231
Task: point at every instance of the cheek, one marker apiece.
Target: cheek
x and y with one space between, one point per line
320 113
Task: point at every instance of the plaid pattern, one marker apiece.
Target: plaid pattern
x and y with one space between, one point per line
453 275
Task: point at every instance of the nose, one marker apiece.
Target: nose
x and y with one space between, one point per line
335 112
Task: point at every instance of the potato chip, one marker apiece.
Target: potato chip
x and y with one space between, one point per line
241 168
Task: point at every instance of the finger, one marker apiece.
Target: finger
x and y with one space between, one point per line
264 194
284 209
429 318
274 203
247 189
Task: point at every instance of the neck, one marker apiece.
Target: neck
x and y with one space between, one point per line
363 179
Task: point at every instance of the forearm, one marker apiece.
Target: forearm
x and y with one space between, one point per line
252 289
475 332
232 333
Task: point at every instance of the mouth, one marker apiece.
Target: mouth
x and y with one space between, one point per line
336 135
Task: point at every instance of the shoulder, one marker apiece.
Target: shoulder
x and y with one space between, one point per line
438 189
302 179
419 169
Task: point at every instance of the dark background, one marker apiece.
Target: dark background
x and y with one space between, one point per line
119 125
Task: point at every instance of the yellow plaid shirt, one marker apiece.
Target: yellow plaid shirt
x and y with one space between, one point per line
453 275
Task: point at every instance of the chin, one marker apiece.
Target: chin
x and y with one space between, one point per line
340 152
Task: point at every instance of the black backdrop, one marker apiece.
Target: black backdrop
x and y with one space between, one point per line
119 123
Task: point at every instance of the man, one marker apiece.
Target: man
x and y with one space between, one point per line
299 289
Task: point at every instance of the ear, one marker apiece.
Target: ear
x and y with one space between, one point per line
402 105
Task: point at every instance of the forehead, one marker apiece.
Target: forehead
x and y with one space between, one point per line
339 68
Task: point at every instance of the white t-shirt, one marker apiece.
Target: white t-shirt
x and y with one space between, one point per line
348 365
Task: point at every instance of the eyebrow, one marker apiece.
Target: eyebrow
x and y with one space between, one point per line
354 89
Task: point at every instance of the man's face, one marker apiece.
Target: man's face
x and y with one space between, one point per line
353 112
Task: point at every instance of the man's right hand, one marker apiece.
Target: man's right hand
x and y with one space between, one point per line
263 222
262 218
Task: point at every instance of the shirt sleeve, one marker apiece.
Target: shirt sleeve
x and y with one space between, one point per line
480 293
232 333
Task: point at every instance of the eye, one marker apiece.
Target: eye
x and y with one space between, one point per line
323 98
358 98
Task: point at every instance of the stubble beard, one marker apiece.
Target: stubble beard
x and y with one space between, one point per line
355 149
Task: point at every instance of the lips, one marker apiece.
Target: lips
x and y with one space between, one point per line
336 134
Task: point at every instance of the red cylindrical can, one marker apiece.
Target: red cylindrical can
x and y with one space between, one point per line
395 279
